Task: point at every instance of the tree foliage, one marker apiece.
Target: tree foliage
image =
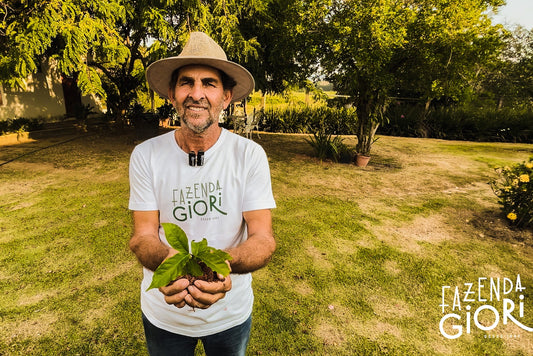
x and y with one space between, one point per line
288 33
108 44
361 40
447 44
376 50
507 78
65 31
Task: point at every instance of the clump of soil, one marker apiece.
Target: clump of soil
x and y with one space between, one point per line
208 276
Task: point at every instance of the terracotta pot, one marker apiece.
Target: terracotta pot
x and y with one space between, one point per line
361 160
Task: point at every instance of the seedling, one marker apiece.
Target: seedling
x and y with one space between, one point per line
198 262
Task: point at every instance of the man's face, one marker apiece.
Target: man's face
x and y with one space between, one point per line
199 97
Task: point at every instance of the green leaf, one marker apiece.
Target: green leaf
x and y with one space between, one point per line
215 259
176 237
193 268
197 247
169 270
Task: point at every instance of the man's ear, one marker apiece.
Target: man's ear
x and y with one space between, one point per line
171 94
228 95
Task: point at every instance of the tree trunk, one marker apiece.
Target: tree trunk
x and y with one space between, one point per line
365 130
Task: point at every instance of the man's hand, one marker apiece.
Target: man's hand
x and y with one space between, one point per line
200 294
176 292
203 294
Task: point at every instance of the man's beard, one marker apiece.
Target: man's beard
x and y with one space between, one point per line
202 127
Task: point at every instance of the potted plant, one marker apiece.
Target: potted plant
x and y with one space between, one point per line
366 136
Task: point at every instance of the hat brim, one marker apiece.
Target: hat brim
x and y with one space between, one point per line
158 74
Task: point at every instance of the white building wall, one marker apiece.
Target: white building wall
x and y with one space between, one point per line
43 97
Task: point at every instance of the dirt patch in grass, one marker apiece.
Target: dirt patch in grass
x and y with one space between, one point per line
367 243
432 229
303 288
342 324
31 298
39 324
374 329
331 335
517 339
387 307
319 258
392 267
344 246
108 275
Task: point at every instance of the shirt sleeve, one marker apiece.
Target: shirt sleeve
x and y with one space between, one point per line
258 190
142 194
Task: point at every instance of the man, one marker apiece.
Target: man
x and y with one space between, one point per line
214 185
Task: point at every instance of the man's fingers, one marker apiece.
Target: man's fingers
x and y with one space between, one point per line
177 299
176 292
190 301
221 286
175 287
180 305
205 299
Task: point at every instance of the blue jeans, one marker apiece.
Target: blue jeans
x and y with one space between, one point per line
231 342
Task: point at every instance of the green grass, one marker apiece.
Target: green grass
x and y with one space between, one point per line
362 253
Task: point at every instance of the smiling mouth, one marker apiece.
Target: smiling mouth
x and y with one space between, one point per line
196 108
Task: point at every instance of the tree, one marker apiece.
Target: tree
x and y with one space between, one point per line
65 31
288 34
375 48
448 44
507 79
156 29
361 39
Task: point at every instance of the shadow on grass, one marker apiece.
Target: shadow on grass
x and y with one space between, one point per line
494 225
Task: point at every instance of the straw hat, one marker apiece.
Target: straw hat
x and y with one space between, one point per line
200 49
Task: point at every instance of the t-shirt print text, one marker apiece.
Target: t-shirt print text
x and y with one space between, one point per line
198 199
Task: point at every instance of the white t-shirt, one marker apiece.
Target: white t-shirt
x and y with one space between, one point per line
206 202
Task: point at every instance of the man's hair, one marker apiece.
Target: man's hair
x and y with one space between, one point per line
228 83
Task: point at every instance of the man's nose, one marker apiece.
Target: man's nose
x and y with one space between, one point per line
197 91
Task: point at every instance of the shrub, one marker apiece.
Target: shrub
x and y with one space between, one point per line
20 125
308 120
460 123
514 188
328 147
482 124
4 126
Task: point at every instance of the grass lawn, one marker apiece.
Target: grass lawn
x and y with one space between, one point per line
362 254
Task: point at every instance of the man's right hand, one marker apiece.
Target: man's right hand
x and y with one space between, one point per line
176 292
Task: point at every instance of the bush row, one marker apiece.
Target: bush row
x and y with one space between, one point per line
309 120
20 124
452 123
461 123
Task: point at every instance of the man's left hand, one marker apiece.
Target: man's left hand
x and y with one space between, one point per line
203 294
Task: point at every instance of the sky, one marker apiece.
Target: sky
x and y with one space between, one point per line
516 12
